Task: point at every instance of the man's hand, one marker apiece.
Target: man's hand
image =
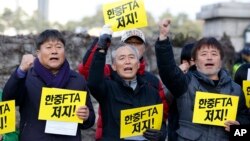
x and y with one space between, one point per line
83 112
27 62
184 67
164 27
105 38
230 122
152 134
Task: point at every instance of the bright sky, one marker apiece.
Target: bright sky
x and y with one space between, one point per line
65 10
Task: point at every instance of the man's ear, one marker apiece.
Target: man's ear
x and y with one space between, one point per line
113 67
38 53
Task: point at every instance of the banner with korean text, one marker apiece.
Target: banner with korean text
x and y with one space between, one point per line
246 90
7 117
214 109
135 121
125 14
61 104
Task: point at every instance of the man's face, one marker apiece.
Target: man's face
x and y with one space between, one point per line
136 43
51 55
126 63
246 57
208 61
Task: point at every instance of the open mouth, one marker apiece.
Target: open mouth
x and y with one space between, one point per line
128 69
209 65
54 59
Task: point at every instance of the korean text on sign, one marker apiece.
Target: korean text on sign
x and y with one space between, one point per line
246 90
61 104
135 121
214 109
7 117
125 14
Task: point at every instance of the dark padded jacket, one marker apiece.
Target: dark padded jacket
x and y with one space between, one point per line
84 68
184 87
114 95
27 93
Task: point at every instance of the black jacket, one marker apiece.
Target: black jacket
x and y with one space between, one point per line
27 93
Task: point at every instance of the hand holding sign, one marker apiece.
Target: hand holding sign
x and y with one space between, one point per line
83 112
230 122
164 27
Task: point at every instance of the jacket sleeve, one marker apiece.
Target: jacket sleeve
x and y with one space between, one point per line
14 89
164 101
91 120
84 67
96 80
171 75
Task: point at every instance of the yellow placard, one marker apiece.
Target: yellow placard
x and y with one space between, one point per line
7 117
214 109
246 90
125 14
61 104
135 121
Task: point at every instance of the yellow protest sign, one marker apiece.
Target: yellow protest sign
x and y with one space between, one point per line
7 117
61 104
125 14
214 109
135 121
246 90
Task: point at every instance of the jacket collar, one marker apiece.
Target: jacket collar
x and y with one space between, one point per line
223 77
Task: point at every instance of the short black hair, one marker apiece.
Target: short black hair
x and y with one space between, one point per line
210 42
186 52
241 73
49 34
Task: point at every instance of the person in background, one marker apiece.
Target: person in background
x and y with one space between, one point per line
133 37
243 58
240 75
186 61
49 69
207 76
125 90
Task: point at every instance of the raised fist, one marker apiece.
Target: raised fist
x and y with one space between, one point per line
105 38
27 62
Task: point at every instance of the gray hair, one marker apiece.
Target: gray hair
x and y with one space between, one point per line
113 53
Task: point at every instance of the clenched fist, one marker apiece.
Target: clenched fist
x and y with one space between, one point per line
27 62
164 27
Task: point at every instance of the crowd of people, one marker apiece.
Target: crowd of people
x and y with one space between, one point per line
125 84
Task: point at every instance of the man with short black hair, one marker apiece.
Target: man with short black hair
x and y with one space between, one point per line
206 76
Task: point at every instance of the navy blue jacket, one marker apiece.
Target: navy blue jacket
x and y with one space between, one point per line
27 93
